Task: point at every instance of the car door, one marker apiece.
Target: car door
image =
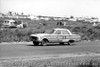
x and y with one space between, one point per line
56 35
65 36
52 37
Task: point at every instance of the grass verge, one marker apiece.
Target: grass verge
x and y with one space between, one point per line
83 61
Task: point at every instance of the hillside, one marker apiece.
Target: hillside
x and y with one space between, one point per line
86 30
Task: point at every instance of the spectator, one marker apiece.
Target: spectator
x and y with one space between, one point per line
64 23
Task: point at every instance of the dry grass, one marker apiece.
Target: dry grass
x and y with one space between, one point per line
55 62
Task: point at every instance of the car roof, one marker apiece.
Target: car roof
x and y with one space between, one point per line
60 29
9 20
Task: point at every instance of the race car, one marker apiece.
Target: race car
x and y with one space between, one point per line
56 35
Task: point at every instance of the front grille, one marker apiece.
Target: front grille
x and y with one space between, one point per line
33 38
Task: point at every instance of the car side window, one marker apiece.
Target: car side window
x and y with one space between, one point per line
58 32
11 22
65 32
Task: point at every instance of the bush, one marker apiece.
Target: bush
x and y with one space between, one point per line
17 35
88 33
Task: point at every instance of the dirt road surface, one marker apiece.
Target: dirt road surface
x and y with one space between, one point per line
25 49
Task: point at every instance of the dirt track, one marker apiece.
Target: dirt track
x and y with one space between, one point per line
13 50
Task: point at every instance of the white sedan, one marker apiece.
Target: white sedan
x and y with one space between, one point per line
57 35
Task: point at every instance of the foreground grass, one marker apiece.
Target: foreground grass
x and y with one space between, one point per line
86 61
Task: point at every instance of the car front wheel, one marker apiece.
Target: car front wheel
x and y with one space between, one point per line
44 42
35 43
62 43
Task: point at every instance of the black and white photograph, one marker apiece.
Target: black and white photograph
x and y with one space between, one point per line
49 33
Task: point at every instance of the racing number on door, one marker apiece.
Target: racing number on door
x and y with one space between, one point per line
63 37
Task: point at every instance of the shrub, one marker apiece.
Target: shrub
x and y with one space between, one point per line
17 35
9 35
88 33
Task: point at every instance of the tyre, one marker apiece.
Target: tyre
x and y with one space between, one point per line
61 43
35 43
44 42
71 42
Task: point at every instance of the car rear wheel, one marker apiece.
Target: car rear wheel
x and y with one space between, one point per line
35 43
71 42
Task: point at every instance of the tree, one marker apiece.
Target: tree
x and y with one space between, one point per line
22 13
71 16
10 13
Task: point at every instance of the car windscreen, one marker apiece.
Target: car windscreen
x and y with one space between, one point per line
65 32
49 31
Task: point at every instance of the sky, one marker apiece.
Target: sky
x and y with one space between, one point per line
52 7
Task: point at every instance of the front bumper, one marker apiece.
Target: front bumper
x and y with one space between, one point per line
33 38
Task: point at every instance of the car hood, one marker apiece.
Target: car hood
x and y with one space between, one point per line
41 34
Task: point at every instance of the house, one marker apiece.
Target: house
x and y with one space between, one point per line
9 23
14 24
